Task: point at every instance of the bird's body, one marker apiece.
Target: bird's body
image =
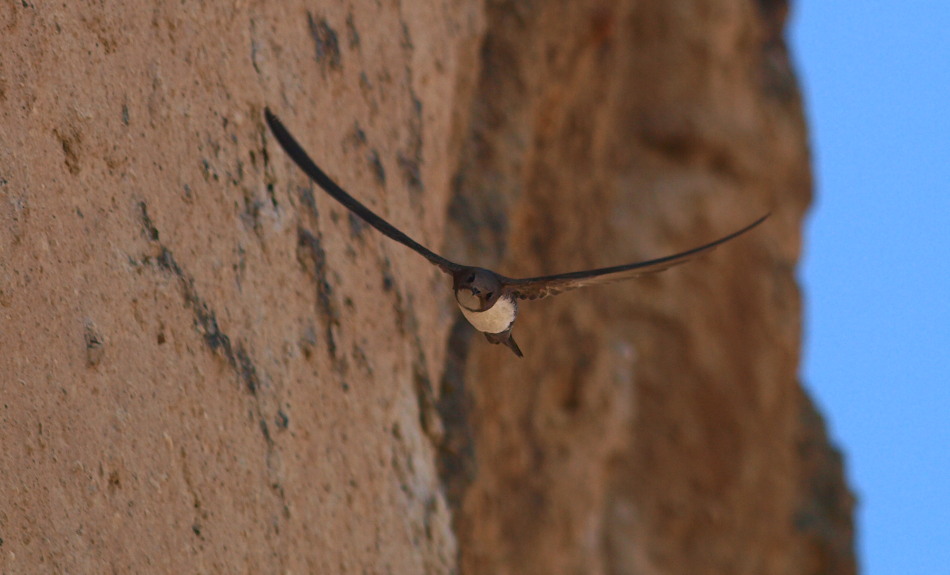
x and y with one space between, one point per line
488 300
496 319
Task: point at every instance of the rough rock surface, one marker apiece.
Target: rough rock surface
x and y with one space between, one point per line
207 366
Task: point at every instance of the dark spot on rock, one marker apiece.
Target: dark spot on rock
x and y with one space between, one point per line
376 166
410 161
308 201
151 232
282 420
359 135
352 35
70 140
357 225
429 418
406 39
362 360
265 431
95 346
389 282
205 319
366 86
251 215
247 371
308 341
411 172
311 255
208 171
326 45
272 194
237 176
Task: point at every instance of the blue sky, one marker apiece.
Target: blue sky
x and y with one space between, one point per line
876 272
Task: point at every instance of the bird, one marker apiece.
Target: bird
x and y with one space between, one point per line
487 299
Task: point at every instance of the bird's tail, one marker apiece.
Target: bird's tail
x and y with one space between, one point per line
506 338
510 342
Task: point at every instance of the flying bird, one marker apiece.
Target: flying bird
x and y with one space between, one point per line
488 300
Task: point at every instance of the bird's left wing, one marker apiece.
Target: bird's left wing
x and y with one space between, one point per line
303 160
544 286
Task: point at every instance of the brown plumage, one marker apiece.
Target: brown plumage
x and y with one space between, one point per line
488 300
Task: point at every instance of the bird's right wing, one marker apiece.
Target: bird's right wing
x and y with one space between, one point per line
541 287
300 157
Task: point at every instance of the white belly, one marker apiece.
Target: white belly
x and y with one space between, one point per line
496 319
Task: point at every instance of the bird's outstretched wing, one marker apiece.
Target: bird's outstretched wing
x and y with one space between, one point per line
544 286
300 157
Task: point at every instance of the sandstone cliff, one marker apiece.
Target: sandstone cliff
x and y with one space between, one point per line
207 366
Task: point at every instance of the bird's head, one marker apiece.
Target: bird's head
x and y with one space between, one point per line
477 289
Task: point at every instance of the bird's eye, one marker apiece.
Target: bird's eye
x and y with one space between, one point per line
471 278
488 295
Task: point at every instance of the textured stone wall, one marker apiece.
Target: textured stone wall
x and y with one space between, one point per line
656 426
208 366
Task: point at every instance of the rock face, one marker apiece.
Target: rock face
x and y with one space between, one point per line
208 366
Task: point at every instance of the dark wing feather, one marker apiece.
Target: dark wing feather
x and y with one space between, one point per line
540 287
300 157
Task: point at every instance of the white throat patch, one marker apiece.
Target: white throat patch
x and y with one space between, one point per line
495 319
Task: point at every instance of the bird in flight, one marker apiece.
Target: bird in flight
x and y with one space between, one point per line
488 300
